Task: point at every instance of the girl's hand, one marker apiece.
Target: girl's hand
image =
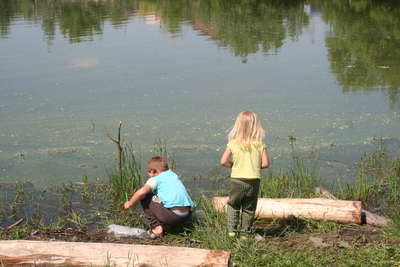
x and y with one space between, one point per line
127 205
225 159
264 159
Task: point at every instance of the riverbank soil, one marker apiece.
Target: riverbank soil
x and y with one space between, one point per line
284 242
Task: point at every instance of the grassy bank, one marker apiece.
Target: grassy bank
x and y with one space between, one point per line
83 210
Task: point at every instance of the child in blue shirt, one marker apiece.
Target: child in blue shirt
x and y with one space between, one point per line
164 198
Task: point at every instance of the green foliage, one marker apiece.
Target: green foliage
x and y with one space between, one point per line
362 41
284 242
160 149
77 20
245 27
277 249
377 185
19 200
362 45
211 222
65 200
129 180
299 181
86 189
77 219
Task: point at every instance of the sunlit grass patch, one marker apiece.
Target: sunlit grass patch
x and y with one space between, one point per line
126 181
298 182
290 242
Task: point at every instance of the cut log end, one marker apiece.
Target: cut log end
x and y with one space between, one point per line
367 217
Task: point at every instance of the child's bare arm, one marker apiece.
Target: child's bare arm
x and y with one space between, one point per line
225 159
137 196
264 159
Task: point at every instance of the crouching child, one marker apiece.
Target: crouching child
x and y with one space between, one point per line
164 198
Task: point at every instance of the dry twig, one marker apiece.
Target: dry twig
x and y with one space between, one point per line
12 225
117 141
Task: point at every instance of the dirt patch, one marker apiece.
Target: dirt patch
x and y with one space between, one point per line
101 236
296 235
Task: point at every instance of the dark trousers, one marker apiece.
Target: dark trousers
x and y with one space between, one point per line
156 214
242 204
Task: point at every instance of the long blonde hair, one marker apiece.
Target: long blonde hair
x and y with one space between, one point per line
247 129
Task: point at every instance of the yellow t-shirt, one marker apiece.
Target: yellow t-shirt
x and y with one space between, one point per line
246 160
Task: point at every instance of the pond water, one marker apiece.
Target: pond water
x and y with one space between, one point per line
324 72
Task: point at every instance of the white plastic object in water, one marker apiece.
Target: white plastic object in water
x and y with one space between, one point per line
124 231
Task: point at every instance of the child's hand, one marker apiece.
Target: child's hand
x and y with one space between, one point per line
127 205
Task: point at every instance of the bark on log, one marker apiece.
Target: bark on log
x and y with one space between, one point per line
366 216
374 219
314 208
23 252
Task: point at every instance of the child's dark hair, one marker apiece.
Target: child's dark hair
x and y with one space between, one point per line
157 164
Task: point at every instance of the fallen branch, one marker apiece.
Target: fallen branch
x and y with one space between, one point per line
12 225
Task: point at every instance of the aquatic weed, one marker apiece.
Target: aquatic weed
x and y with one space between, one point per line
130 178
65 198
160 148
299 181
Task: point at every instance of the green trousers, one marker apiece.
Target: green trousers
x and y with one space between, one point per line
242 204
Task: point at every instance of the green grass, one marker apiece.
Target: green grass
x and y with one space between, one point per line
284 242
129 180
377 185
298 181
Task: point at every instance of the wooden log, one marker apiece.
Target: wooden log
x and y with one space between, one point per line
374 219
342 211
24 252
367 217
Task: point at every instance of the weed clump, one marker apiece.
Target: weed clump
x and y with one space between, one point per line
299 182
377 184
128 179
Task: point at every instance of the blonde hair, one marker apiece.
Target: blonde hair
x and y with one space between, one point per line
247 129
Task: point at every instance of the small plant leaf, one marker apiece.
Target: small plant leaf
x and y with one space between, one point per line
343 244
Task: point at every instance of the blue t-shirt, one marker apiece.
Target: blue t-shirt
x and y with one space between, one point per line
170 190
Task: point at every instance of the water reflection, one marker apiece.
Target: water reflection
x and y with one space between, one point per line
243 26
84 63
362 42
363 45
167 49
77 20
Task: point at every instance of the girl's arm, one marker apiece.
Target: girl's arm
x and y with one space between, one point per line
264 159
225 159
137 196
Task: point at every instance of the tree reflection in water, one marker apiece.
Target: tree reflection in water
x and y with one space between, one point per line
362 42
363 45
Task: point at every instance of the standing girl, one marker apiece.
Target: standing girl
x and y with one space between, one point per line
246 154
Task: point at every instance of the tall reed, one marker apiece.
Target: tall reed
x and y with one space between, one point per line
160 148
377 184
129 179
299 181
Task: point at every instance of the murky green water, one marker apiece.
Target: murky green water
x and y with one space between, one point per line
325 72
